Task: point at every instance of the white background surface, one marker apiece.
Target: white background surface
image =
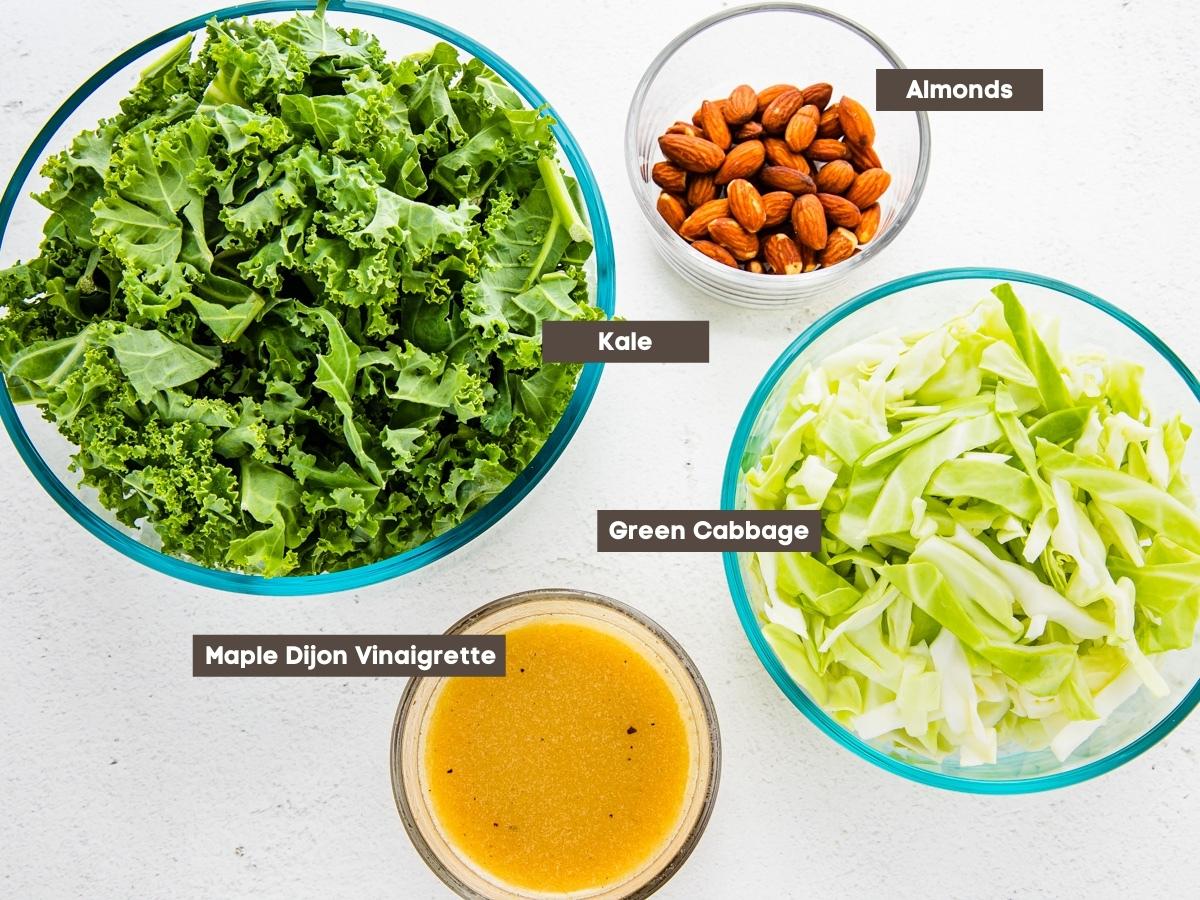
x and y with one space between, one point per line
121 776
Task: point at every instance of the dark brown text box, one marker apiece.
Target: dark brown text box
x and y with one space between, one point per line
959 89
649 342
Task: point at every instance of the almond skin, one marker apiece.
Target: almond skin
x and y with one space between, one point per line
840 210
700 189
746 204
695 226
734 238
868 187
671 210
868 225
856 122
687 128
841 246
781 178
767 95
830 125
826 150
713 123
818 94
835 177
778 206
749 131
808 222
742 162
864 158
669 177
801 130
782 255
780 154
691 153
741 105
716 252
720 104
780 111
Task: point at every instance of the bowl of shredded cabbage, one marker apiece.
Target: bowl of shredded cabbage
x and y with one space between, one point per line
1008 587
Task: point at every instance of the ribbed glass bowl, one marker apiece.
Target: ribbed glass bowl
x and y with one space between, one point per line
47 453
914 304
760 45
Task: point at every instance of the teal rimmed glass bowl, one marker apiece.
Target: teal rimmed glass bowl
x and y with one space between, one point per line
911 304
47 453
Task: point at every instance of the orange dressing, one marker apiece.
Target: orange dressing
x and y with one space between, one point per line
568 773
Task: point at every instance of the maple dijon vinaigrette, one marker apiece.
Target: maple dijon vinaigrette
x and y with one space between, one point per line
586 770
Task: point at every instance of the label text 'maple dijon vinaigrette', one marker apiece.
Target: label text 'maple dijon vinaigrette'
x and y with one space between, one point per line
567 774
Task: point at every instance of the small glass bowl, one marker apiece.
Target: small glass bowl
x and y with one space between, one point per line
926 300
761 45
562 604
47 453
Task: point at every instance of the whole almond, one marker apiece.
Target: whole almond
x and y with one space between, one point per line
811 111
818 94
695 226
864 158
741 105
743 161
778 205
830 125
749 131
688 128
868 187
827 149
746 204
782 255
835 177
776 116
691 153
780 154
700 189
856 122
734 238
781 178
713 123
669 177
801 130
808 222
696 117
868 225
767 95
716 252
840 210
841 246
671 210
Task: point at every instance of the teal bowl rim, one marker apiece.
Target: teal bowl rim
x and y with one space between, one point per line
741 600
439 546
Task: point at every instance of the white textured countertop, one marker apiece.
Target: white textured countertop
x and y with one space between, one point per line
121 776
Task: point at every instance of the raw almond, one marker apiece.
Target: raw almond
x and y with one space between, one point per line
734 238
856 122
868 187
696 118
691 153
743 161
716 252
700 189
713 123
776 116
864 158
671 210
746 204
823 150
808 222
782 255
868 225
835 177
749 131
687 128
767 95
695 226
840 210
780 154
781 178
841 246
818 94
830 125
741 105
669 177
778 205
801 130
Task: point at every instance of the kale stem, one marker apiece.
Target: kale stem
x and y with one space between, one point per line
560 199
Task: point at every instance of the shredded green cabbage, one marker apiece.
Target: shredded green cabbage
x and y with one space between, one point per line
1009 538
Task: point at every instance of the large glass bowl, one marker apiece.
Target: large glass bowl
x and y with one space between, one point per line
45 451
760 45
913 304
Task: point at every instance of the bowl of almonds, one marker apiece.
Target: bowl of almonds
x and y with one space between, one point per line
765 176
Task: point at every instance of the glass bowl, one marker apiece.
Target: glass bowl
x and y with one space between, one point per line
412 793
761 45
48 454
928 299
